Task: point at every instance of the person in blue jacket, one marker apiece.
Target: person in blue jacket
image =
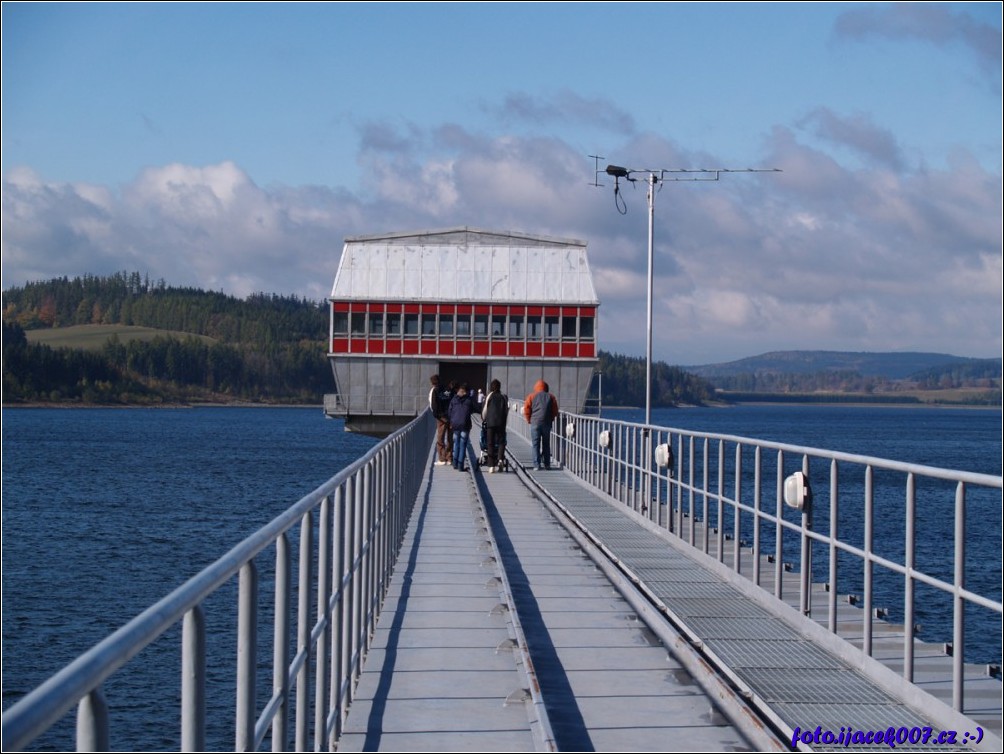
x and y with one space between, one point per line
461 408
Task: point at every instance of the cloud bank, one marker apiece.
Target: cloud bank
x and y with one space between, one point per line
873 257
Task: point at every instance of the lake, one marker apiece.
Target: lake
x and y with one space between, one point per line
107 510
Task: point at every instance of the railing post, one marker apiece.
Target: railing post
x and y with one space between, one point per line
805 573
736 516
193 680
869 565
909 562
720 528
705 487
280 650
92 722
779 529
958 603
247 643
303 589
338 571
323 598
834 538
757 482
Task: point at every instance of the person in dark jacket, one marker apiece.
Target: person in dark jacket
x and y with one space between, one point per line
461 408
439 402
494 416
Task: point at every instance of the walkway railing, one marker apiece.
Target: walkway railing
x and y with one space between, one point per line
894 532
349 531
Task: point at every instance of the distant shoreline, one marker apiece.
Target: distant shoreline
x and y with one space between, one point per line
684 407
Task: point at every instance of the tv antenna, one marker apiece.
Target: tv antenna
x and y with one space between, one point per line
655 177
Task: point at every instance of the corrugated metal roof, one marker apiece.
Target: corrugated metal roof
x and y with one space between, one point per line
465 264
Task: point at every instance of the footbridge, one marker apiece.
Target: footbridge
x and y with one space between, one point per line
652 591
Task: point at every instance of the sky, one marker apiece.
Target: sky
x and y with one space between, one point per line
233 147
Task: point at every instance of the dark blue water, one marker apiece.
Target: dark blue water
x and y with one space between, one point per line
106 511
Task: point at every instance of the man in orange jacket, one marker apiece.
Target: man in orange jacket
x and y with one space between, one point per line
540 410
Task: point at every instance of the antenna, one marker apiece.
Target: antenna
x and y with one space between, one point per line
596 176
653 177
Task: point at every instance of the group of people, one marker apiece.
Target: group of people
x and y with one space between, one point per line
453 405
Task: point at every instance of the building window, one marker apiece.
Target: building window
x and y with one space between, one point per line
446 325
376 324
534 328
551 331
463 325
498 326
429 325
411 325
480 325
515 327
393 324
358 320
568 327
586 328
340 323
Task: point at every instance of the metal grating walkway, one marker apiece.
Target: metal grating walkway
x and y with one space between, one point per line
766 648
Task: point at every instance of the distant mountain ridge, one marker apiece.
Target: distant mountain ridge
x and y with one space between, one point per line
890 365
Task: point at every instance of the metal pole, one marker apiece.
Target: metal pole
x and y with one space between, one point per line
652 180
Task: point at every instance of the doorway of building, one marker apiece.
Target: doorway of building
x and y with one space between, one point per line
474 373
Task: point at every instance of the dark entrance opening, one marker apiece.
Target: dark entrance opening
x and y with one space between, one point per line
474 373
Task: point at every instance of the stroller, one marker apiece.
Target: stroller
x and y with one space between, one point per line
503 462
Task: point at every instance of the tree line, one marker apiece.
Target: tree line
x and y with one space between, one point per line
129 299
264 347
624 383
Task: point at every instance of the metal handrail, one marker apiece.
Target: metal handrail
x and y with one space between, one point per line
360 514
340 404
685 495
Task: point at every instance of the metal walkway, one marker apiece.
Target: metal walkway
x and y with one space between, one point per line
443 674
445 671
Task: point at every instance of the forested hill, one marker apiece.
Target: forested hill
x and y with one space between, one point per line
263 348
129 299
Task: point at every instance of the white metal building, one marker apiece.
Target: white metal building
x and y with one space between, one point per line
470 305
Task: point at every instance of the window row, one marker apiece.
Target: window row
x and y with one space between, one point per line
464 322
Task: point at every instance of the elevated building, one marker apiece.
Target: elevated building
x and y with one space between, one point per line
470 305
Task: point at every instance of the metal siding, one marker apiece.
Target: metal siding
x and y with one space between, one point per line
465 266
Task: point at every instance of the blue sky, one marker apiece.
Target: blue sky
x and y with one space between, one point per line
235 146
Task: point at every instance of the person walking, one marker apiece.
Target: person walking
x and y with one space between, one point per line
540 410
439 402
461 408
494 416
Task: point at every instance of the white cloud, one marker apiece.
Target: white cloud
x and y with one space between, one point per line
820 256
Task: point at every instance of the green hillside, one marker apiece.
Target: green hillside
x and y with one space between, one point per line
95 337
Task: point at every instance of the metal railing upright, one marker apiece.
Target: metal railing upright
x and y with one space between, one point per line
349 531
894 532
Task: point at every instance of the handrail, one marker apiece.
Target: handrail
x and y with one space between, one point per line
723 494
361 516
